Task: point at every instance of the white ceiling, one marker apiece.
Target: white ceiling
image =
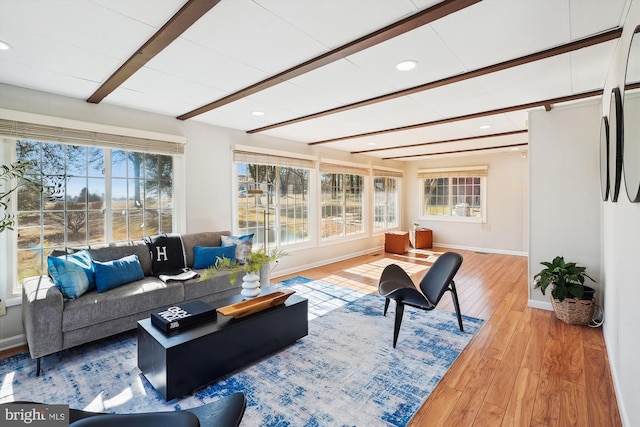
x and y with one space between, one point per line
70 47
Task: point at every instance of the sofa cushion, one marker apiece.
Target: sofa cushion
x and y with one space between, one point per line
69 277
117 251
205 257
140 296
111 274
207 238
196 289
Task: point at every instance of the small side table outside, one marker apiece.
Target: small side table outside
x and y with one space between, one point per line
421 238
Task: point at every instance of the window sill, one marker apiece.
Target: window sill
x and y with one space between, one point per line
469 219
13 301
328 241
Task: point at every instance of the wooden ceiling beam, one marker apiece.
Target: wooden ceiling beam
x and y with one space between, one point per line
178 24
422 144
544 54
405 25
535 104
469 150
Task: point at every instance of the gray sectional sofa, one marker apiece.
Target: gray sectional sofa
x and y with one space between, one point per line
53 324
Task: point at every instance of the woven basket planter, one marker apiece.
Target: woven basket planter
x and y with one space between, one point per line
574 311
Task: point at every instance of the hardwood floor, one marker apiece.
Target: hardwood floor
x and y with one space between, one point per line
523 368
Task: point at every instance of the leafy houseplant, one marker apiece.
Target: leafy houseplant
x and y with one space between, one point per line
254 262
567 278
12 177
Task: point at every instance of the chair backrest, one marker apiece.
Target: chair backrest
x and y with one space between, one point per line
435 282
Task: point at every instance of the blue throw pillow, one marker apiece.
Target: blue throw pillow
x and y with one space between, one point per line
204 256
243 245
111 274
68 276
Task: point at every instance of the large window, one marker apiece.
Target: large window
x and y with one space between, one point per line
342 203
454 194
104 195
273 203
385 201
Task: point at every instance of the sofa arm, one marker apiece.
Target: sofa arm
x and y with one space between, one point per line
42 305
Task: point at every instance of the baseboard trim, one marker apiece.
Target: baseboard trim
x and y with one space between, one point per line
544 305
12 342
622 410
475 249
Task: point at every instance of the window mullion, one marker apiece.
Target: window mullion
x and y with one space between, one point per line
276 209
108 217
344 204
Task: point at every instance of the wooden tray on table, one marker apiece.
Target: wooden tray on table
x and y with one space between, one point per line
254 305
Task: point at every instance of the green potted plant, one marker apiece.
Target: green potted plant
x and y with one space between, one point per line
572 300
14 176
255 261
252 267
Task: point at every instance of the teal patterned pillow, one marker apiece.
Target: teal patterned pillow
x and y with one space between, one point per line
68 276
243 245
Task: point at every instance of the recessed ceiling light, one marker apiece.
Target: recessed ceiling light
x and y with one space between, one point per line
258 113
4 45
406 65
371 144
485 127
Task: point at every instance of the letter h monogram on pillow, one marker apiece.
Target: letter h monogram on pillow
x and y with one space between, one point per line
167 254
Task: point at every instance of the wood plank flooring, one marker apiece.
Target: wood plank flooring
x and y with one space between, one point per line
523 368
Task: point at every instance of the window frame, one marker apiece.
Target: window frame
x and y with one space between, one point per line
461 172
269 157
16 125
277 224
366 176
398 201
85 239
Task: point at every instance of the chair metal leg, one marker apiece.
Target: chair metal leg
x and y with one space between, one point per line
386 306
398 322
456 304
38 366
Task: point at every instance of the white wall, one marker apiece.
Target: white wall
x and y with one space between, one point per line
565 189
620 247
506 228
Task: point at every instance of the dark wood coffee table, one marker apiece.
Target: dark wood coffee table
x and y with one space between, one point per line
179 362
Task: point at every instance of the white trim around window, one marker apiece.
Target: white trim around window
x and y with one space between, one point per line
466 171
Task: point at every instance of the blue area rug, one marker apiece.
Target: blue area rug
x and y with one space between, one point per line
344 373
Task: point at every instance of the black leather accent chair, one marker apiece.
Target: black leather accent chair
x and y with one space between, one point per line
225 412
395 284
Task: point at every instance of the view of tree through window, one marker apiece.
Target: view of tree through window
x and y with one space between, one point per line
137 202
342 202
274 198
